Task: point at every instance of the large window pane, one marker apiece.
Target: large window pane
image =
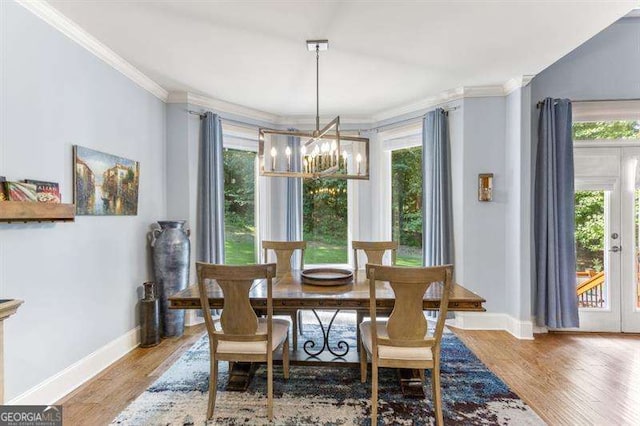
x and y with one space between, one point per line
592 130
636 219
239 207
406 199
325 220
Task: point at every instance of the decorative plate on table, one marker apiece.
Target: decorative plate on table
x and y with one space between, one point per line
327 276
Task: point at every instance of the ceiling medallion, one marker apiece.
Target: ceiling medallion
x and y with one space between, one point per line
321 153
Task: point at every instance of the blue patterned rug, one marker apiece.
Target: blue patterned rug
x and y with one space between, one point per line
472 395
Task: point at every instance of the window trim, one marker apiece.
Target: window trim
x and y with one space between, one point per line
409 136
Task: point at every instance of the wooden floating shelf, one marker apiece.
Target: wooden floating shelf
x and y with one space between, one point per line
21 211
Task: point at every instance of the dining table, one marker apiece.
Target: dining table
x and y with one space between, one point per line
290 293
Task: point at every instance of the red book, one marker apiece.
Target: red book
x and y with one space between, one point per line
46 192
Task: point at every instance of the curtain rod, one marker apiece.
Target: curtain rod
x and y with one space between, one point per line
376 129
539 104
229 120
406 120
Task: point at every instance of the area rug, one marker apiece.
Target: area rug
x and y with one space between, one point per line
472 395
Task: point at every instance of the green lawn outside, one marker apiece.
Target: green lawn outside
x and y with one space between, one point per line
408 261
239 246
320 252
240 250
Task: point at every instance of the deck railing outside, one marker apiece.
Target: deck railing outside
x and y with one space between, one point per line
590 289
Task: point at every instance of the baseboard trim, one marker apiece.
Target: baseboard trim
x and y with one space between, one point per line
57 386
493 321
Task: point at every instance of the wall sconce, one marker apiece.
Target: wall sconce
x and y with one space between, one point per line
485 186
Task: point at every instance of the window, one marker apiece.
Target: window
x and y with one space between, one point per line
406 202
594 130
325 225
239 207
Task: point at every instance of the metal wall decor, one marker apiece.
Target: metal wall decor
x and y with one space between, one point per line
315 154
485 187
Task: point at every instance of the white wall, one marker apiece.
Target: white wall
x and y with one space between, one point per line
518 217
483 223
80 281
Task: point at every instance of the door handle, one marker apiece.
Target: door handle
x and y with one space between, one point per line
615 249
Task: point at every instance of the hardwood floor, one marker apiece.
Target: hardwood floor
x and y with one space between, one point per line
577 379
100 400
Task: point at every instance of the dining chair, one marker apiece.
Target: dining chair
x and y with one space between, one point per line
243 336
403 341
284 251
375 251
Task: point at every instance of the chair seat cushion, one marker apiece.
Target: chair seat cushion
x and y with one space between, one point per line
392 352
280 330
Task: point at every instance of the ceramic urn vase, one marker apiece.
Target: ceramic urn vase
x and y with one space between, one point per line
171 253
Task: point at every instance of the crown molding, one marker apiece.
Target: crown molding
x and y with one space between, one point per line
482 91
430 102
516 83
57 20
455 94
221 106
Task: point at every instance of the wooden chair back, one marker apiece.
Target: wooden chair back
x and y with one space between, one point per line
375 251
407 325
284 250
238 320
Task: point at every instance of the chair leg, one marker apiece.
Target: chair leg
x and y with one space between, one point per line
285 358
300 323
421 371
437 397
213 385
374 390
363 362
359 318
270 386
294 329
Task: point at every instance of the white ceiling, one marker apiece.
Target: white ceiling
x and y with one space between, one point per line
382 54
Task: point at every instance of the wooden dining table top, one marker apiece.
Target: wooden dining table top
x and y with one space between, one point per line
290 293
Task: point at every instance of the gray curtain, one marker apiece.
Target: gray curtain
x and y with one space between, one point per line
294 198
555 251
210 214
437 211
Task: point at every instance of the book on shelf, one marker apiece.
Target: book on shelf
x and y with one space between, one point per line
20 191
46 192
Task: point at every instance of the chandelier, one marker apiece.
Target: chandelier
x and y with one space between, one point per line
320 153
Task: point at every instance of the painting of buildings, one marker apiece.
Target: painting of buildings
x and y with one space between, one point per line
105 184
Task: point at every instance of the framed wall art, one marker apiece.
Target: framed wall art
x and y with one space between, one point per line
104 184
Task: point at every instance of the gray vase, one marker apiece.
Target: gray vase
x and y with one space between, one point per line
149 317
171 254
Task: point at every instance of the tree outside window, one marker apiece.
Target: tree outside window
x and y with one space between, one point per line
325 221
406 202
239 207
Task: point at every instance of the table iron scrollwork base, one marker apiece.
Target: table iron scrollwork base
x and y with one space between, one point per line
309 345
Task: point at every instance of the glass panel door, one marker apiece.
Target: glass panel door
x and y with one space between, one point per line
630 292
598 237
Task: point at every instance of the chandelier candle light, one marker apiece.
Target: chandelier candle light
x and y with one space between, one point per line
319 153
